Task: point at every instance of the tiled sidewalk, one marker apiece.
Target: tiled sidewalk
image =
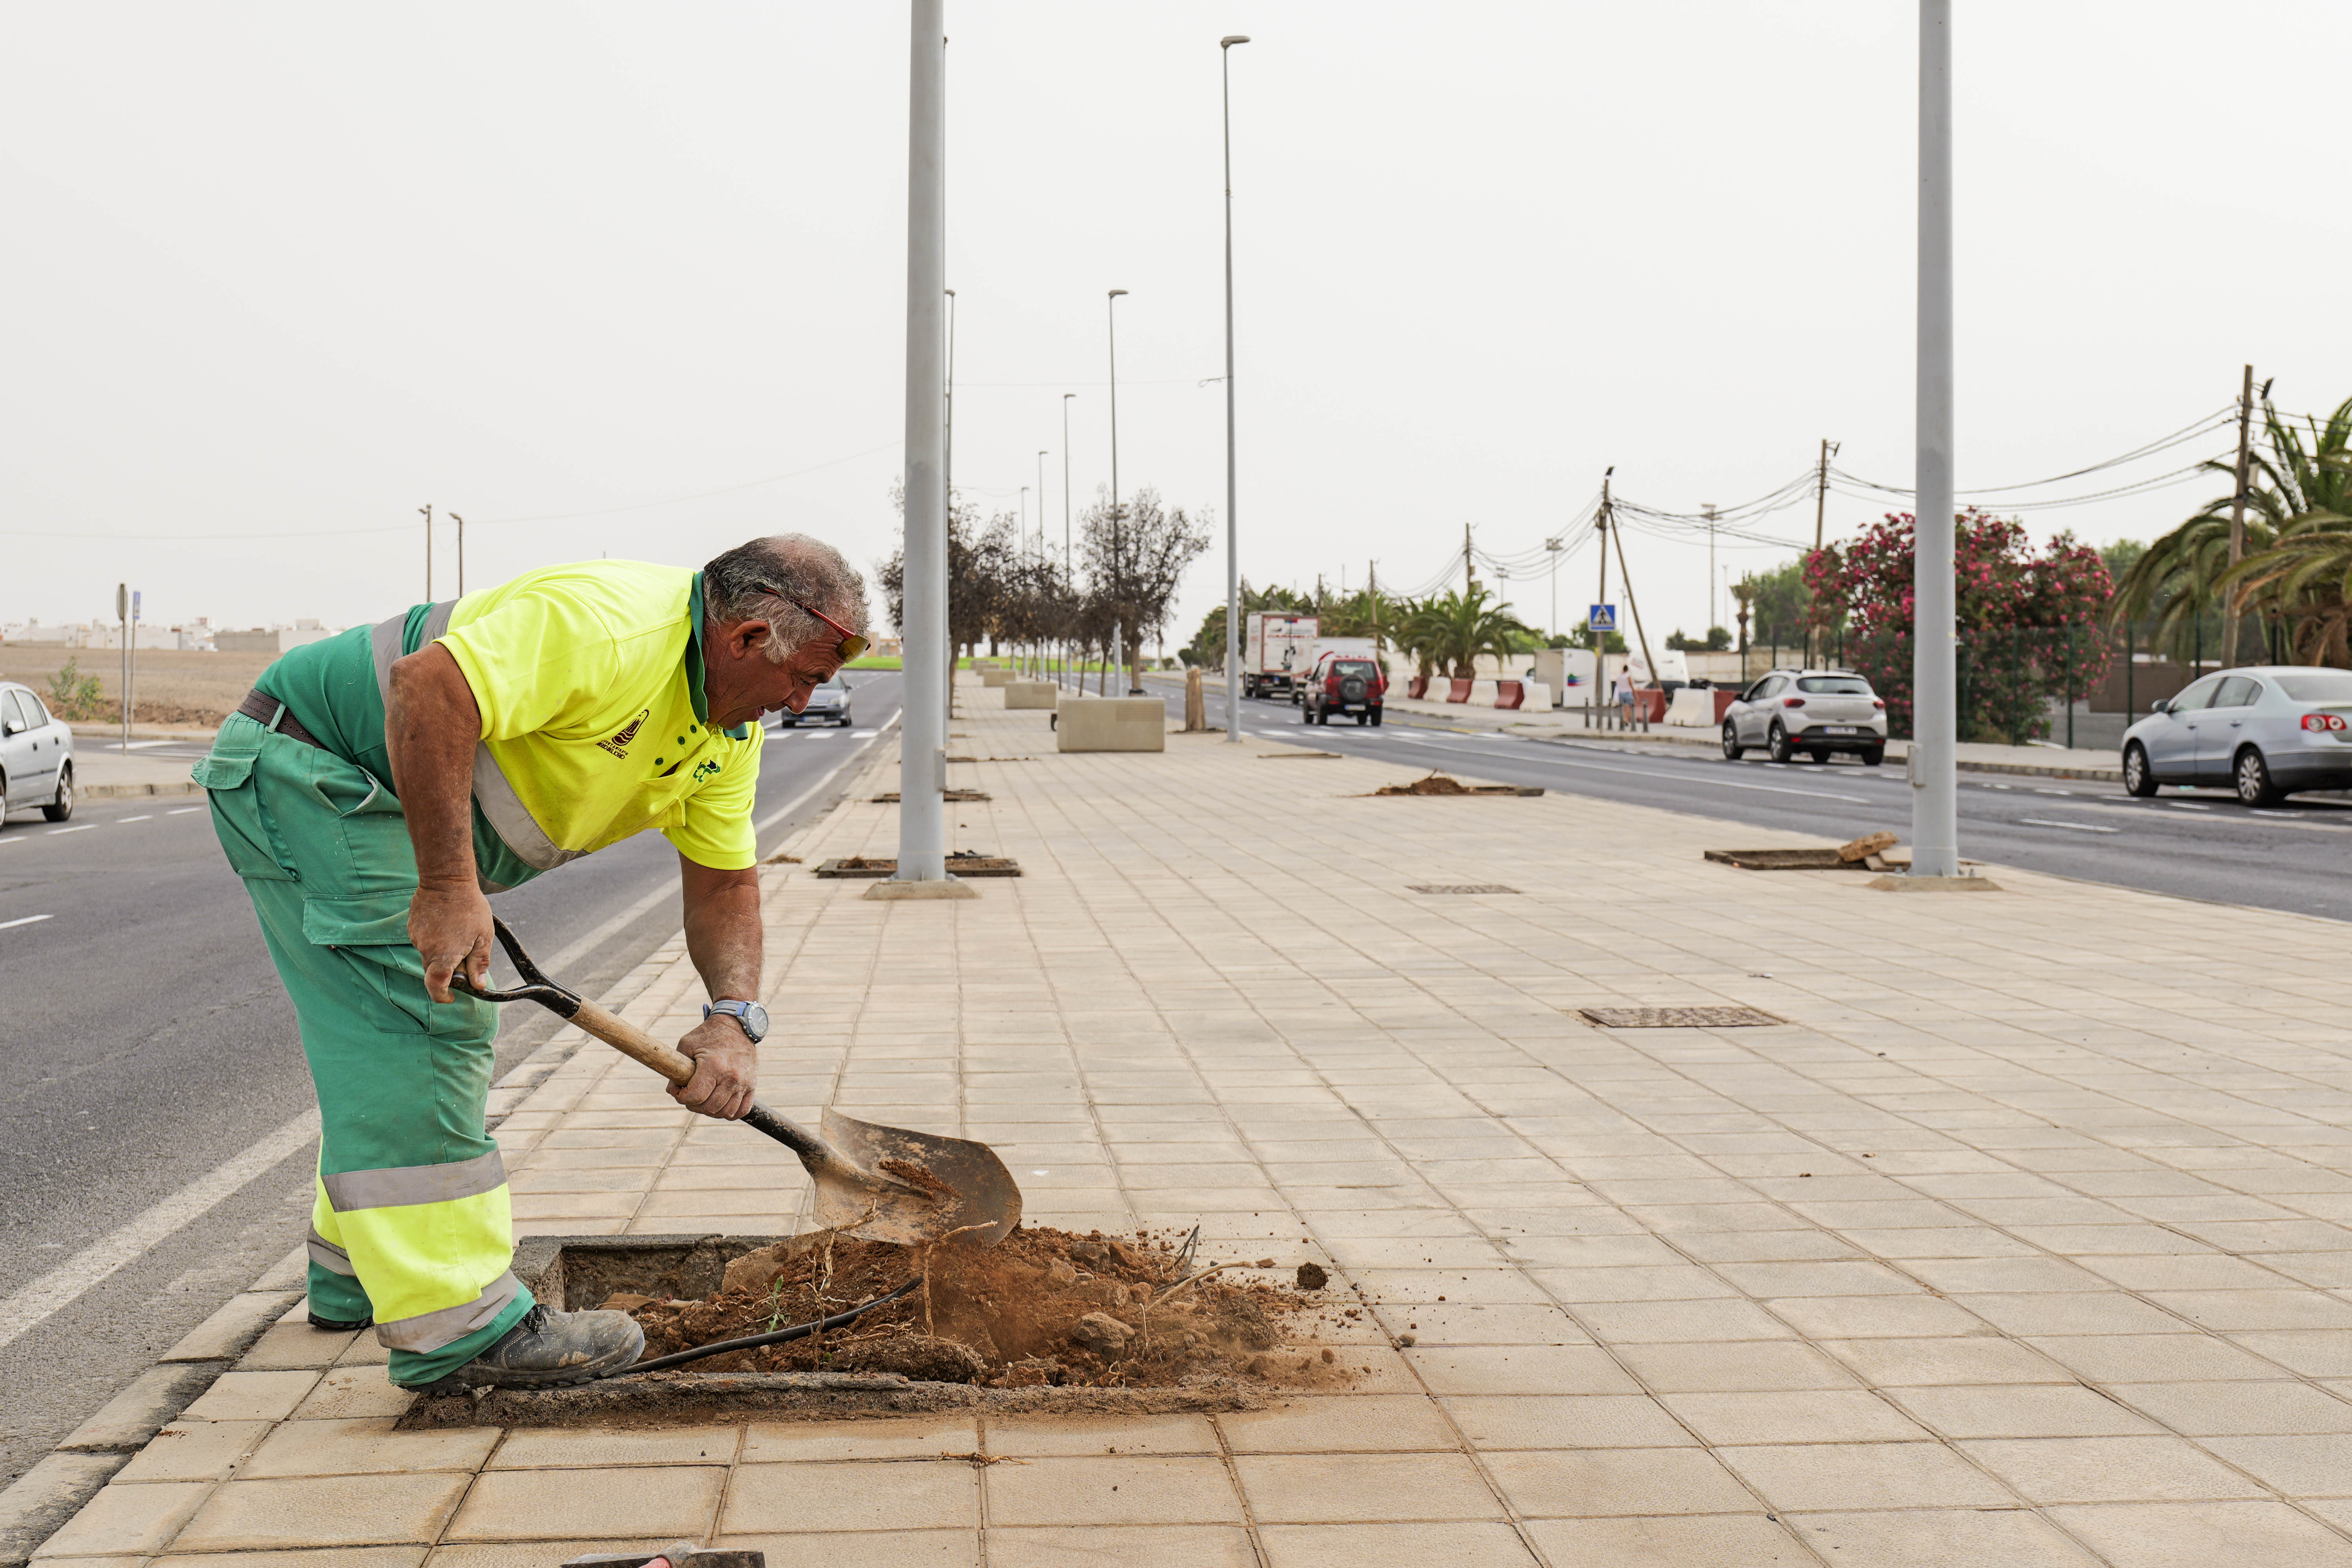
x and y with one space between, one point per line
2021 1243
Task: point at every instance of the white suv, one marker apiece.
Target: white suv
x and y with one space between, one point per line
1816 712
35 755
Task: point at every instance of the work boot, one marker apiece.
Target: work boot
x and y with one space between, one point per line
551 1349
340 1326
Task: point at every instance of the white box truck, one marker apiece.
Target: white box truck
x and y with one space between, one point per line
1278 650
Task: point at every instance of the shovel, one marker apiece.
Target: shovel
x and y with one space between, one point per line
883 1183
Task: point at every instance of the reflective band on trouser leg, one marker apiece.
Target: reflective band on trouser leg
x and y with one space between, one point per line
335 1292
412 1192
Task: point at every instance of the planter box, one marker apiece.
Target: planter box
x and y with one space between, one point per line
1112 724
1042 694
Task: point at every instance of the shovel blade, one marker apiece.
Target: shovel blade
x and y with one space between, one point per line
961 1191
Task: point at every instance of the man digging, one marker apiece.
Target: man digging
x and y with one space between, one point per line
376 785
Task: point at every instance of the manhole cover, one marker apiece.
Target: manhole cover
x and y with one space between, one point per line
1461 888
1676 1017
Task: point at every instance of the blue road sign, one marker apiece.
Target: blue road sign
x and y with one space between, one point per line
1603 619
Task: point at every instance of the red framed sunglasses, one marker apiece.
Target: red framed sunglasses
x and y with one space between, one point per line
852 645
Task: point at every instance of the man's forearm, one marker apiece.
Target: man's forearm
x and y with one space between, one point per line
430 728
722 928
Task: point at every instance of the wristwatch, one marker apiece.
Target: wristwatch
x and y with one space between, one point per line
750 1015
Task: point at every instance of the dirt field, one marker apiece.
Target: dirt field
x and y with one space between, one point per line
194 689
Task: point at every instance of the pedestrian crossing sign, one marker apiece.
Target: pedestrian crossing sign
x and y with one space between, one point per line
1603 619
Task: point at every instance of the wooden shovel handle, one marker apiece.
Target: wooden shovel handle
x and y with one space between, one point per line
632 1042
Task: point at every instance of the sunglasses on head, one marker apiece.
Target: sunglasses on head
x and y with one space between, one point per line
852 645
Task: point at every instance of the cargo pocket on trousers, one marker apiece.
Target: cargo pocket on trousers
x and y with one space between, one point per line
237 817
372 929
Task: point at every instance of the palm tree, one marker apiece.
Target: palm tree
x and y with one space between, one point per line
1454 628
2294 487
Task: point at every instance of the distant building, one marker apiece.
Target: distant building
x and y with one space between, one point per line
272 639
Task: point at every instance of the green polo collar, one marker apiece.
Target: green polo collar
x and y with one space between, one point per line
696 672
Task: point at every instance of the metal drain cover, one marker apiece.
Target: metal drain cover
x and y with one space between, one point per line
1676 1017
1461 888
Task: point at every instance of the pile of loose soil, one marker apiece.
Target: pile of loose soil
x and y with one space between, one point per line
1043 1307
1438 783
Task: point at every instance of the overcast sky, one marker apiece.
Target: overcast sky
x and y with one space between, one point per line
630 279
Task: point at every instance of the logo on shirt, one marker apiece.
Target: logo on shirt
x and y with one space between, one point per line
706 769
619 744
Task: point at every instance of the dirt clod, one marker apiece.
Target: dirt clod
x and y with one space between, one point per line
1312 1277
1102 1335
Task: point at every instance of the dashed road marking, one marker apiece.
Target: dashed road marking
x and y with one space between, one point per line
26 921
76 827
2077 827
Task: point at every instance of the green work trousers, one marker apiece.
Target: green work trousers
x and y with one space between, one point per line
411 1224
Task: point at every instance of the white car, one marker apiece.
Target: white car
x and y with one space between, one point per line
1816 712
35 755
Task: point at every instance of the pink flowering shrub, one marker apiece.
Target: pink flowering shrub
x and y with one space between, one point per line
2028 623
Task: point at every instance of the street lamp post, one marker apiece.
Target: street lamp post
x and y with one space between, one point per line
922 757
1117 533
1935 799
1232 557
1069 570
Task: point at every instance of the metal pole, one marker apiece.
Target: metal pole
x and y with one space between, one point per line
1232 557
922 758
122 614
461 552
1595 700
1069 567
2238 515
1118 524
947 464
1935 801
427 510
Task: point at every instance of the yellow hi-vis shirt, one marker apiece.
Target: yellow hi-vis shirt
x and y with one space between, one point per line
595 723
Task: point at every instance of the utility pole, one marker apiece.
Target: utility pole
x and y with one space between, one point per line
461 552
1469 577
1633 608
1708 508
2238 515
1118 524
427 510
922 755
1935 717
1821 507
1372 577
1596 698
1552 545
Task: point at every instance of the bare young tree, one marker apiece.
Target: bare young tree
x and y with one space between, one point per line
1135 558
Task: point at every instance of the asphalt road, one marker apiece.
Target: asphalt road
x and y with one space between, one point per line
144 1040
2196 844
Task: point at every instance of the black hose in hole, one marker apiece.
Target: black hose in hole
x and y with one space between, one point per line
753 1342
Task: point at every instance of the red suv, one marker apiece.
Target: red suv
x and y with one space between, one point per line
1343 683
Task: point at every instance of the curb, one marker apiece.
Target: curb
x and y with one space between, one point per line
117 791
61 1481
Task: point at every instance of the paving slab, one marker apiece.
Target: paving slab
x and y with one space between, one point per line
2022 1237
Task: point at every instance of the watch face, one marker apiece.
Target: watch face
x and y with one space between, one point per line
757 1017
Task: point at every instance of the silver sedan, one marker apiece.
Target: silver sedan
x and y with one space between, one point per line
36 762
2264 731
1816 712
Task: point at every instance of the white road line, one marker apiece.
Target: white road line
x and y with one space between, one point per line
183 810
69 1281
2186 805
1720 783
76 827
143 816
2077 827
26 921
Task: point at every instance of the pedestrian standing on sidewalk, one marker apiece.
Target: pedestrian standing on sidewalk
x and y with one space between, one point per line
375 787
1625 698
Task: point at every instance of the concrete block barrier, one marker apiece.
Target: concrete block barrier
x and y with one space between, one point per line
1112 724
992 678
1032 694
